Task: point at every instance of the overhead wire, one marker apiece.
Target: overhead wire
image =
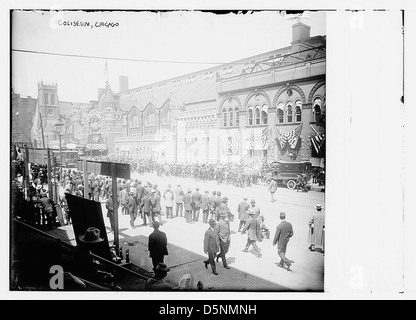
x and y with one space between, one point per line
113 58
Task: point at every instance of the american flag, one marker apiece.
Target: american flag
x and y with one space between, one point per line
288 138
317 140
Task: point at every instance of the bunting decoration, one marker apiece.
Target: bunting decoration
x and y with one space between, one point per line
230 145
317 141
259 140
290 138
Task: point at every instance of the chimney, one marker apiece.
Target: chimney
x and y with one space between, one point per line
300 32
123 83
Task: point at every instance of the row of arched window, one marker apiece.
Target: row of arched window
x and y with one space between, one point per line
151 119
258 114
231 117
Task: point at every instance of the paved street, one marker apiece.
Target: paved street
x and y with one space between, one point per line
248 271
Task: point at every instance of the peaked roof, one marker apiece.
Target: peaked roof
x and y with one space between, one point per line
107 99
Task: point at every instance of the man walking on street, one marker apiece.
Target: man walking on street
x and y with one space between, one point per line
242 209
156 208
157 245
284 232
211 245
253 227
317 229
146 208
272 189
223 231
131 208
205 206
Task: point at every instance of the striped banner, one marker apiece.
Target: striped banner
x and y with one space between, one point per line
317 140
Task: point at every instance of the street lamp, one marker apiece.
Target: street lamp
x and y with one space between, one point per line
59 126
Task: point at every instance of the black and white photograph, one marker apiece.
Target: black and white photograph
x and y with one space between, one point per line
184 152
168 150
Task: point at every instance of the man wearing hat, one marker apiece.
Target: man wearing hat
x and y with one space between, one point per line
156 208
284 232
211 245
223 231
157 245
131 207
205 206
187 202
252 227
146 208
196 203
157 283
272 189
242 209
316 229
212 205
179 200
110 210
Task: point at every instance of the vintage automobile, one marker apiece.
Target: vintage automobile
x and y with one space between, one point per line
286 172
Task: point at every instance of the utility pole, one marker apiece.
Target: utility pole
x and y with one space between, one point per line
115 204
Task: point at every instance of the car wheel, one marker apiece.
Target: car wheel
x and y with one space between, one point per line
291 184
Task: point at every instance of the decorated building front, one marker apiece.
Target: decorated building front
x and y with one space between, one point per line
274 108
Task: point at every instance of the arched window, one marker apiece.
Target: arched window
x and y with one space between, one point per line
166 117
250 116
298 110
231 115
151 119
257 115
237 117
224 117
52 99
46 97
289 113
317 108
135 121
280 114
264 114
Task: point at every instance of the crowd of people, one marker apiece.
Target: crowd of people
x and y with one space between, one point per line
144 200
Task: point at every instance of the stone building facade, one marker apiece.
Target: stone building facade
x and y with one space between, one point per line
264 106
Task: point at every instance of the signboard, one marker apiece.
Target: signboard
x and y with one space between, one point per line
85 214
96 146
39 156
71 146
104 168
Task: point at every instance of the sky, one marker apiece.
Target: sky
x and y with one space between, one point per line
180 36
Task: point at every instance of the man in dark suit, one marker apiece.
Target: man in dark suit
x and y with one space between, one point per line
196 207
205 204
110 210
284 232
158 245
211 245
187 203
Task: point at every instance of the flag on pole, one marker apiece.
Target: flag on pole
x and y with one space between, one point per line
106 71
317 140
